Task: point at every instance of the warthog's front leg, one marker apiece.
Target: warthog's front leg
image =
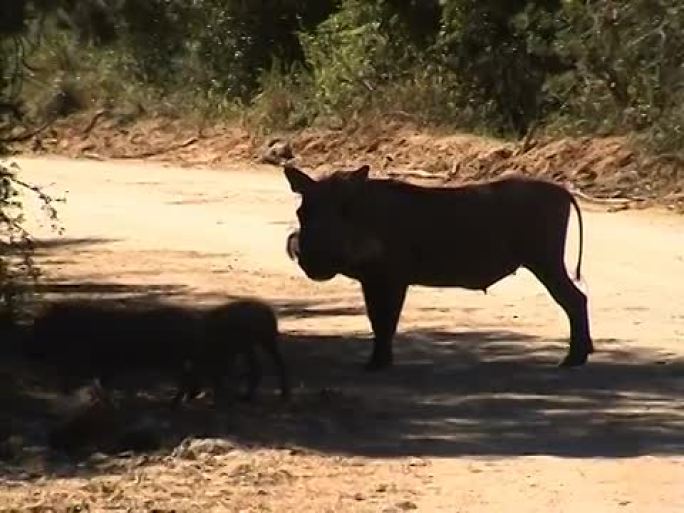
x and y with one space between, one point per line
384 300
281 369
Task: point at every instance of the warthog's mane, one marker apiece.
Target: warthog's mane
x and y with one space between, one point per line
401 186
337 176
346 177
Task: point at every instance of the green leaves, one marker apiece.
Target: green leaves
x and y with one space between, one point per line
629 73
17 267
500 66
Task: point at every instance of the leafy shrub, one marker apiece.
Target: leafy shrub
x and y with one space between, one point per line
17 267
629 73
503 54
574 66
354 53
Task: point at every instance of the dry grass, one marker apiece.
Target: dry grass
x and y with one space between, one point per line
221 480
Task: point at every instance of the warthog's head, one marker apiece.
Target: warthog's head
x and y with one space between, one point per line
334 235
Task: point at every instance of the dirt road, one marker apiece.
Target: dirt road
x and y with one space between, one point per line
474 417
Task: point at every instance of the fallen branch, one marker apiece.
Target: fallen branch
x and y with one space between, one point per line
605 201
673 158
402 115
152 153
528 143
27 135
674 196
93 156
89 127
422 175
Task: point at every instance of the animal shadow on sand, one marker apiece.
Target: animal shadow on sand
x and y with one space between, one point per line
450 393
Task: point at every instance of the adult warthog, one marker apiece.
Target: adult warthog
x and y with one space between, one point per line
390 234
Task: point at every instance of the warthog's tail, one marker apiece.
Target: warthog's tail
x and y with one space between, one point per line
578 269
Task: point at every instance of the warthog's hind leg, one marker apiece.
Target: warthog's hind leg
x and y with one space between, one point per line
574 302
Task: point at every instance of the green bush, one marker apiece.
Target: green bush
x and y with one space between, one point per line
629 72
349 55
353 61
501 67
18 270
503 54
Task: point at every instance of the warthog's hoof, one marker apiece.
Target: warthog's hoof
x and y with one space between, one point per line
376 364
574 360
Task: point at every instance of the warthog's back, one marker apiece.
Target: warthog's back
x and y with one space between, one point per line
494 205
469 236
246 321
94 337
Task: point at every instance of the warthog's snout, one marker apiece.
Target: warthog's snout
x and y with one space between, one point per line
292 246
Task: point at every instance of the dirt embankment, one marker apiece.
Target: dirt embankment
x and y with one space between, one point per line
608 169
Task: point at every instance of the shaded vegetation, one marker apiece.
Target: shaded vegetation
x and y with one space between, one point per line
17 268
505 68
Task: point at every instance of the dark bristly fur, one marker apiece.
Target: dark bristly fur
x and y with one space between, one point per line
85 340
82 341
233 330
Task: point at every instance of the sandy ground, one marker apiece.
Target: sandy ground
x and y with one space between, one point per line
474 417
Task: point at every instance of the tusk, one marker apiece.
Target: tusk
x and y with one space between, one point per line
292 246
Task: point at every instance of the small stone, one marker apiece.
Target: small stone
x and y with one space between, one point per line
277 152
98 457
191 449
417 462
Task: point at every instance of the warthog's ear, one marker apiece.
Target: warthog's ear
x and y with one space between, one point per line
299 181
361 174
